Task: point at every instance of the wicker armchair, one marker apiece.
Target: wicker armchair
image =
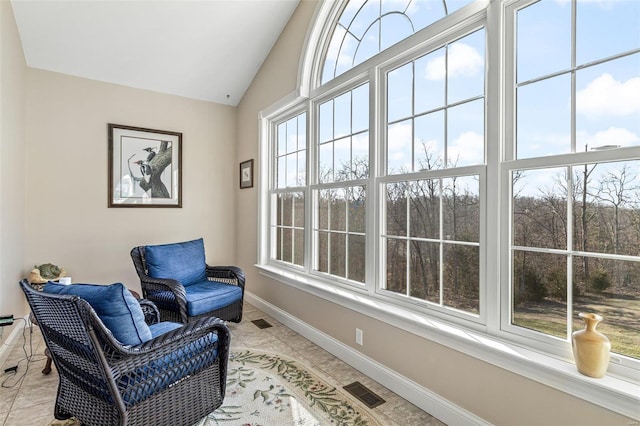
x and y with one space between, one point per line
177 377
175 298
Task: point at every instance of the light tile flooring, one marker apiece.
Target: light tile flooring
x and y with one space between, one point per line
30 398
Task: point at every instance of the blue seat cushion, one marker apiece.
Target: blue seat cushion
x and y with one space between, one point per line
163 327
119 311
184 262
146 380
206 296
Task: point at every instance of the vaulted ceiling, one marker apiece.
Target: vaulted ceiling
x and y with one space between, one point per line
206 49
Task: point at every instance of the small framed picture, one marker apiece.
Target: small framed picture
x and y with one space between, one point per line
246 174
144 167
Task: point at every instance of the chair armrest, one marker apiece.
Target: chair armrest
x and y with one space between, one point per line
150 311
227 274
172 292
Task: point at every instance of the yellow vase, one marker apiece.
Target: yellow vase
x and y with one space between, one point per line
591 349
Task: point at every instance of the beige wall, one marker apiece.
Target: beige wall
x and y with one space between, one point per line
69 223
494 394
13 76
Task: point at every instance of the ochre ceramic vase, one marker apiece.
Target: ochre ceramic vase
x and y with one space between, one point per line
591 349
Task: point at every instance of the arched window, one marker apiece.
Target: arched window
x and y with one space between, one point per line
367 27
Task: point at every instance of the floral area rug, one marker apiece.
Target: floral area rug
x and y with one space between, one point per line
265 389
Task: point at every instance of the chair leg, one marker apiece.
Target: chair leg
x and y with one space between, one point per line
47 367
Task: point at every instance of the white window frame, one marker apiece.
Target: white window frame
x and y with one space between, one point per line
490 337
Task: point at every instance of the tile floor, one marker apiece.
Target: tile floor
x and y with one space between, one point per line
30 398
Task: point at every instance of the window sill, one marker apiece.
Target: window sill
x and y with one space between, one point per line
612 393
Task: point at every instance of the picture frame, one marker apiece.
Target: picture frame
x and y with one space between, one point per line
145 167
246 174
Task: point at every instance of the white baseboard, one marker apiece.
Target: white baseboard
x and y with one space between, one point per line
9 343
418 395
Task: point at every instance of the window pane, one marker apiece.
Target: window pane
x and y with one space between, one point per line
357 257
346 54
292 135
425 270
461 286
424 13
292 170
282 138
278 233
608 104
324 198
369 45
325 172
430 81
357 209
279 209
287 210
360 156
425 208
461 208
342 159
366 15
338 210
606 28
298 212
331 60
536 304
397 266
608 213
301 178
302 131
399 93
610 288
540 208
298 241
287 245
342 115
282 172
544 118
543 39
396 205
399 147
394 28
337 254
465 139
323 251
429 141
465 67
325 121
360 108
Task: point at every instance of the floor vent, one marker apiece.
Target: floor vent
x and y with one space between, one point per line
364 394
260 323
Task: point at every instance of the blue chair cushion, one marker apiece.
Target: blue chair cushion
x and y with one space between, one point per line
115 305
160 328
206 296
148 379
184 262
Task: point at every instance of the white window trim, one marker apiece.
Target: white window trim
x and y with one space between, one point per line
484 342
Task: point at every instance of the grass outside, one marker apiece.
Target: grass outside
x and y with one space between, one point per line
621 322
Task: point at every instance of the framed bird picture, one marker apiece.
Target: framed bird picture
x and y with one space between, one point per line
144 167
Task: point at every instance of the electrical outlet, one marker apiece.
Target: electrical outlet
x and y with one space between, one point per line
359 336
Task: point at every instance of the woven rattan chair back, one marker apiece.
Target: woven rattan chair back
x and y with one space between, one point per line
174 379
